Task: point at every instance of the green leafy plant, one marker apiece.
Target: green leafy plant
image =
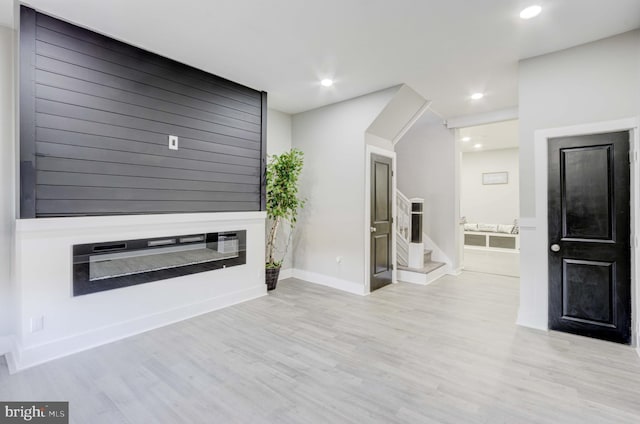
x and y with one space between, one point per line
283 203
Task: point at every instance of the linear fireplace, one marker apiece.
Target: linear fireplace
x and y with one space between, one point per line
106 266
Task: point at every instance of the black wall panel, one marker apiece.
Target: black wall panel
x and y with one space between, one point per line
95 118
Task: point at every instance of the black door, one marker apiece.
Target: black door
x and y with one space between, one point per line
589 236
381 226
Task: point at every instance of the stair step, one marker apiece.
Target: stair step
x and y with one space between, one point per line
427 256
428 267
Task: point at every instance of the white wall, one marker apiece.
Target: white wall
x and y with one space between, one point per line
278 132
597 81
332 223
7 192
594 82
279 141
492 204
427 169
76 323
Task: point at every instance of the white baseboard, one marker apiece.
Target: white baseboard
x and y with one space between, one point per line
523 322
325 280
285 273
5 345
455 272
12 356
22 357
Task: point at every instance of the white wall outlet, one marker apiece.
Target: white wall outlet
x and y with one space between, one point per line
173 142
339 259
37 324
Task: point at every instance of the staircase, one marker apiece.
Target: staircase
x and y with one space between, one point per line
432 270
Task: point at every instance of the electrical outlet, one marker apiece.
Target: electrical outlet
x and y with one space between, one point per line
37 324
173 142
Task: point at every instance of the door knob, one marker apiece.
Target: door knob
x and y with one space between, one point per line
555 247
372 229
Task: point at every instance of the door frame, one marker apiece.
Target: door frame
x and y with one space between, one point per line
541 223
370 150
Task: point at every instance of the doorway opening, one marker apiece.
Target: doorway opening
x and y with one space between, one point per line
536 240
380 208
489 198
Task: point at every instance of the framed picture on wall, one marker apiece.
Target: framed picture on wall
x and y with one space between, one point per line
490 178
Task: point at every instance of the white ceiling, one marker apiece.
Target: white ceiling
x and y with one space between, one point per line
501 135
444 49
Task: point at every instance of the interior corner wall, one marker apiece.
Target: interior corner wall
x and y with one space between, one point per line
278 142
594 82
331 225
7 201
427 169
493 203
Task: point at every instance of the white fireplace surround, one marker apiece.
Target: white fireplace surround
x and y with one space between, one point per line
43 272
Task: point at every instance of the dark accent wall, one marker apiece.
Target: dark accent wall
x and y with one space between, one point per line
95 116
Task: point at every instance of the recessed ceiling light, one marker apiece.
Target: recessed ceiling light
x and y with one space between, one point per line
326 82
477 146
530 12
466 139
477 96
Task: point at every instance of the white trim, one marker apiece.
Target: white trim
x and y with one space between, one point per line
325 280
11 357
5 345
537 232
411 121
407 276
369 150
528 223
530 324
501 115
455 272
64 225
23 357
285 273
457 261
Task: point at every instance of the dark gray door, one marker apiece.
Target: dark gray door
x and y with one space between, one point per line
589 236
381 221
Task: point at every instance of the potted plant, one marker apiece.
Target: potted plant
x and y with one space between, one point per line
283 204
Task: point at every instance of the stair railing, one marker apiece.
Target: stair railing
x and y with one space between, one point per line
403 227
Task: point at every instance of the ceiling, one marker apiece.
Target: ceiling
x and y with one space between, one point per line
501 135
444 49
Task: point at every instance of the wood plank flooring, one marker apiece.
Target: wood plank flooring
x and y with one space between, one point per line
444 353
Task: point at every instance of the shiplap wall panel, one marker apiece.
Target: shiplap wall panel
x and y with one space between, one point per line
98 113
98 207
111 168
123 181
123 145
72 125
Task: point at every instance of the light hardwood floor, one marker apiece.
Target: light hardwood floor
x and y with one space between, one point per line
444 353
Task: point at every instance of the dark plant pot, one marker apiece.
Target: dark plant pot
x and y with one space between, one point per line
271 277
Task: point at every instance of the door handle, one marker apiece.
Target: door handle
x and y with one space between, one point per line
555 247
372 229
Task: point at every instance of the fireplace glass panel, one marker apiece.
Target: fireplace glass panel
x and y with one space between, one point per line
104 266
